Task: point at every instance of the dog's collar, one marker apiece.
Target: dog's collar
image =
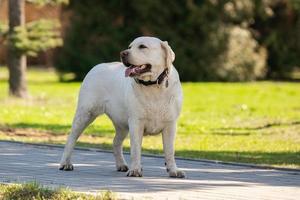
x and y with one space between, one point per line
158 81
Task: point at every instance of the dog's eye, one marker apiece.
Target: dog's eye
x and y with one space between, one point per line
142 46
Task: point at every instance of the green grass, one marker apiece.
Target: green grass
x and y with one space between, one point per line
255 122
36 191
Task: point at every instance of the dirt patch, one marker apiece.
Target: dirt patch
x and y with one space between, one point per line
28 134
38 136
24 132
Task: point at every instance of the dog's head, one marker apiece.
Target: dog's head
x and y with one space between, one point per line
147 57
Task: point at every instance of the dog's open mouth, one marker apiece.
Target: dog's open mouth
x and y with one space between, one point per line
135 70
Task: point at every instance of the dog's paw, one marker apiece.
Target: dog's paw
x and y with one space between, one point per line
122 168
135 173
177 174
66 167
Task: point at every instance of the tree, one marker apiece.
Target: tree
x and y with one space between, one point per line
278 30
16 60
233 40
27 39
275 26
197 31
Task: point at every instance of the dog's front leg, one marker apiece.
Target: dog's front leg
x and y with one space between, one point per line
136 137
168 142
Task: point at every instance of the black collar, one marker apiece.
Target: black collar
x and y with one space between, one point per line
158 81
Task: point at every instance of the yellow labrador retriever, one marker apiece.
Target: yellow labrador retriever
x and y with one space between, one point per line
142 96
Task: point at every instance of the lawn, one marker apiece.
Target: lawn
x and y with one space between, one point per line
255 122
36 191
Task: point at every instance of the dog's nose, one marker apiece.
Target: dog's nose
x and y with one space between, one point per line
124 54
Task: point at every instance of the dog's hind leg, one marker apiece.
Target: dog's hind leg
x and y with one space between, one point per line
118 149
82 119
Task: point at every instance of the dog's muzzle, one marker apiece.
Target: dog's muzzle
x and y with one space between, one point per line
124 57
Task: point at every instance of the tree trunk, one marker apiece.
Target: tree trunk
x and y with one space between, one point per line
16 61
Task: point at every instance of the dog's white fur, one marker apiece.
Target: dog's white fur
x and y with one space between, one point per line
132 107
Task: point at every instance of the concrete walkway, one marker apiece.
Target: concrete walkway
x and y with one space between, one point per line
95 170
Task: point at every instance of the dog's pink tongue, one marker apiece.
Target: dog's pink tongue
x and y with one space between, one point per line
129 71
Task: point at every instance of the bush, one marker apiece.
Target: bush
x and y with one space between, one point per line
213 40
244 59
100 29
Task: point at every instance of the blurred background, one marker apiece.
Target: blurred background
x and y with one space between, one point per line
226 40
239 61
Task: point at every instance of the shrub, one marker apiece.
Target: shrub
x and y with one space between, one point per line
244 59
100 29
213 40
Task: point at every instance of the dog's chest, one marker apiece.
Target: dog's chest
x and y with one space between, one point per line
155 108
155 118
156 114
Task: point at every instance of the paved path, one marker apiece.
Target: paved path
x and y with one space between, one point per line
95 171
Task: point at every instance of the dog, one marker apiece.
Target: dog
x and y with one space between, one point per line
141 94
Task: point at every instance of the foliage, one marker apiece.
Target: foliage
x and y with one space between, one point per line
243 122
244 59
276 27
3 32
51 2
98 33
36 36
33 190
3 29
279 33
198 31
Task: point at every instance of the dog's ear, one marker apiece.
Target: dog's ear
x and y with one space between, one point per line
169 54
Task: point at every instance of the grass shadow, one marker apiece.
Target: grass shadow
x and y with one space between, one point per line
231 133
265 126
255 157
58 129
